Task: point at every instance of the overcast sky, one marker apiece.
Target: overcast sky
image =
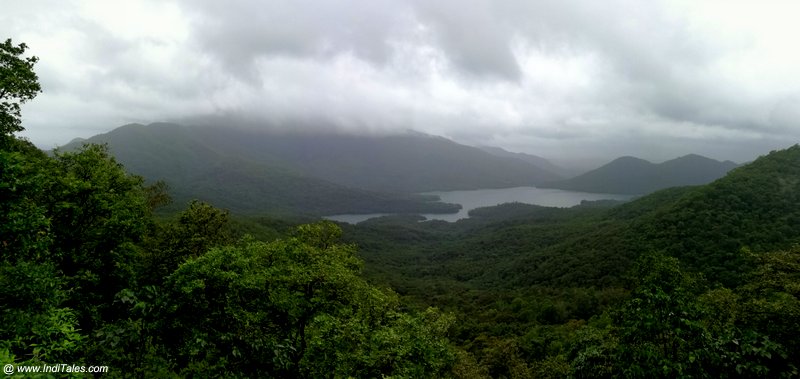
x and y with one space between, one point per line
561 79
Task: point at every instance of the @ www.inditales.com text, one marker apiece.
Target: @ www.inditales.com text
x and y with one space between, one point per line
58 368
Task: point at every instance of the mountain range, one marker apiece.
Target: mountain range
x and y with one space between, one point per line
252 171
635 176
255 171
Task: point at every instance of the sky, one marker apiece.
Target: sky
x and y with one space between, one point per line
569 80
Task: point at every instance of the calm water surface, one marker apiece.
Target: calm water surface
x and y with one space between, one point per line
470 200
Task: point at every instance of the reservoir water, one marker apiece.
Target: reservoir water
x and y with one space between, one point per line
470 200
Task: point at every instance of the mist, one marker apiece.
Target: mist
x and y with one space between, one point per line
575 81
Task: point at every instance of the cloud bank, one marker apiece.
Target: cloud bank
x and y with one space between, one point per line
571 79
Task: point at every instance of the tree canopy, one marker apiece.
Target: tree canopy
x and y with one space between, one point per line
18 84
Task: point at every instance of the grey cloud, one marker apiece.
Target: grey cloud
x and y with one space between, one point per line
659 64
476 38
446 67
239 33
785 113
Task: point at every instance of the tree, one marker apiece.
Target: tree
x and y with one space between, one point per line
674 327
296 307
35 324
98 214
18 84
196 230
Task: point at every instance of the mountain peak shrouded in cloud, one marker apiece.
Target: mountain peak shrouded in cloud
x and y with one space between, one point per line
253 171
573 80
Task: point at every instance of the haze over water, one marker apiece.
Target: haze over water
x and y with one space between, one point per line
470 200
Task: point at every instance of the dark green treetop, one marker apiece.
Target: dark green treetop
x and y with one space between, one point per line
18 84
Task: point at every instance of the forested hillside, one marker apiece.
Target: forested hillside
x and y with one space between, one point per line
252 171
689 282
629 175
89 277
527 280
195 166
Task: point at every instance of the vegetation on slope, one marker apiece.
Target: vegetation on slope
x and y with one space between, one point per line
193 168
88 276
629 175
686 282
249 171
527 281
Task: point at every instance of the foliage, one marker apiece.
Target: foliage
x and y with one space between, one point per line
297 308
18 84
24 224
100 266
68 222
675 327
194 231
34 323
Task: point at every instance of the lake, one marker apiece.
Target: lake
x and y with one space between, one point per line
470 200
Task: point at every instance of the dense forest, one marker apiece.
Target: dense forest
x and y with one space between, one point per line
686 282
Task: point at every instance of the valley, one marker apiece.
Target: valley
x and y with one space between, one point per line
399 189
536 281
470 200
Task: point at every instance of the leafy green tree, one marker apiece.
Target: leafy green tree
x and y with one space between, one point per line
657 333
661 333
35 326
98 213
18 84
69 225
762 317
24 220
133 344
195 230
772 296
297 307
674 327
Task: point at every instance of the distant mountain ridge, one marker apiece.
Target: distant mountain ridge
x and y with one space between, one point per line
530 158
255 171
195 168
405 163
635 176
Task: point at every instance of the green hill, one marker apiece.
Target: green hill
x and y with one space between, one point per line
515 246
252 171
756 206
196 167
629 175
532 282
406 163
